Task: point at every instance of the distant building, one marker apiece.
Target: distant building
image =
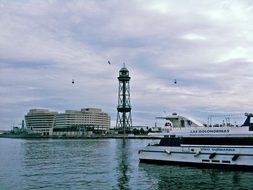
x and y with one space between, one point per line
2 132
40 121
74 122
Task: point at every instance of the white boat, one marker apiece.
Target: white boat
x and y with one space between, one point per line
188 142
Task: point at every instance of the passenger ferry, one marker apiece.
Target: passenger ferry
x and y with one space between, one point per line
188 142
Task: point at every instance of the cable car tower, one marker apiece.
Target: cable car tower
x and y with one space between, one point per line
124 119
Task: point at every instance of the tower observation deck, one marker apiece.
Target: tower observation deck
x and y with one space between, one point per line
124 119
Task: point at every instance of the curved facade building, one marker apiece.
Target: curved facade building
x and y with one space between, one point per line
92 118
40 121
71 122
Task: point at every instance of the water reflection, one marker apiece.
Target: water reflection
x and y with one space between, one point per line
100 164
67 164
176 177
123 164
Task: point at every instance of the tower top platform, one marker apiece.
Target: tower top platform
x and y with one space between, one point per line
123 74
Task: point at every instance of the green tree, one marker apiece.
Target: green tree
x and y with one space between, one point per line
142 131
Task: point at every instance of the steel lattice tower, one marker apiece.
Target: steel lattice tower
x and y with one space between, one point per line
124 119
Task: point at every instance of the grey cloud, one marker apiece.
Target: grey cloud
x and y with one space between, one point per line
205 45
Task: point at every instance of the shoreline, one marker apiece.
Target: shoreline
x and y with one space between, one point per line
79 137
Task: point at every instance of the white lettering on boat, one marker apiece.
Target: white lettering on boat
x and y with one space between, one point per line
210 131
217 149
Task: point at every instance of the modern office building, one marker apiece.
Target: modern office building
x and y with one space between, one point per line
40 121
72 122
92 119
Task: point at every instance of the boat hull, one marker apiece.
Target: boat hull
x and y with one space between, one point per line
201 156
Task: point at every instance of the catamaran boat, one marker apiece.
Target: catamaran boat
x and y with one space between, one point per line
188 142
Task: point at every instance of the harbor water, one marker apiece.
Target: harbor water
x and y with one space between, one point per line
100 164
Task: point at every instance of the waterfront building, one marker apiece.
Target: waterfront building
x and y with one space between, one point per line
40 121
74 122
2 132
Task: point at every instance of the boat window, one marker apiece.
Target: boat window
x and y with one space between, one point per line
189 122
182 123
168 124
215 161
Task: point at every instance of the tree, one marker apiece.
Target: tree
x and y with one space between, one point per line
142 131
136 131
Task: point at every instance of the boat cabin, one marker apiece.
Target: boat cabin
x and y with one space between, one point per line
178 121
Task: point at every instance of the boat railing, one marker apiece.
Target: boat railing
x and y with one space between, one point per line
222 125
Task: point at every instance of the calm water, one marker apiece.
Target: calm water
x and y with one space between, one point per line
100 164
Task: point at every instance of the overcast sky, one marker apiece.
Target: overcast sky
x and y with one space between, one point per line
205 44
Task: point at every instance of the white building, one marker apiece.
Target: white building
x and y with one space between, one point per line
40 121
74 122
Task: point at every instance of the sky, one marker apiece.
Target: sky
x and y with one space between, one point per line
205 45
